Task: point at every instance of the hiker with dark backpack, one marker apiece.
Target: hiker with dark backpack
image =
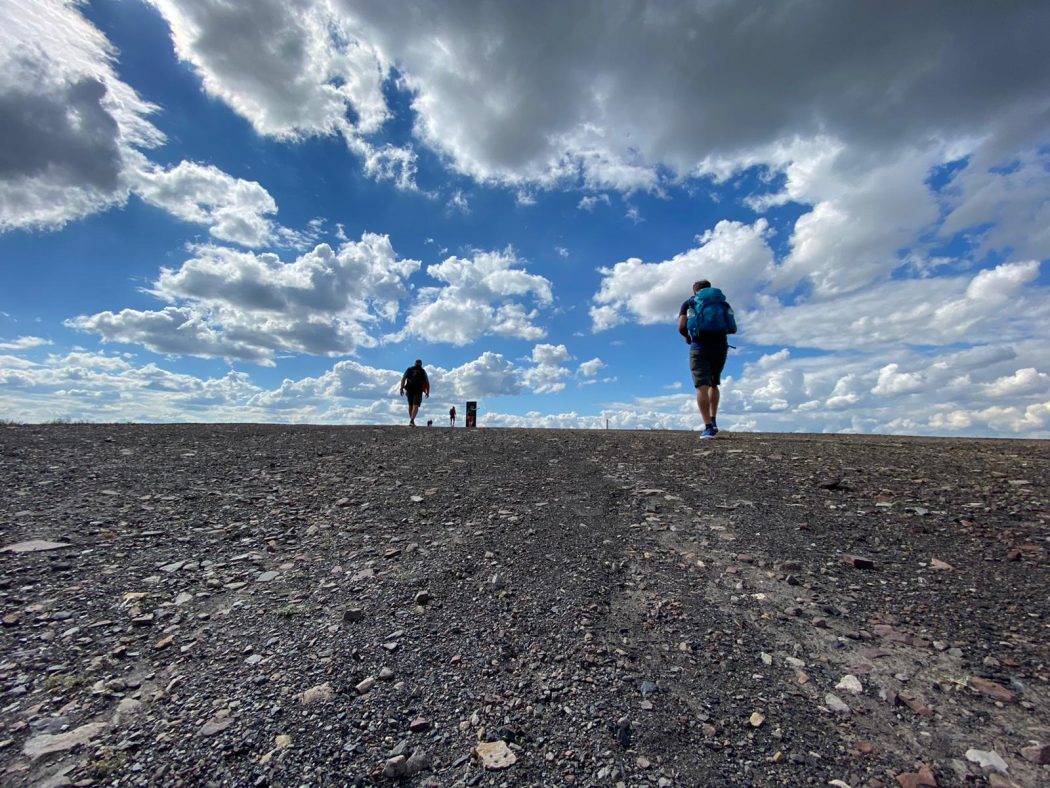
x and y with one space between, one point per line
414 384
705 320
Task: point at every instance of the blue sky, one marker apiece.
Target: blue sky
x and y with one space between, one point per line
266 211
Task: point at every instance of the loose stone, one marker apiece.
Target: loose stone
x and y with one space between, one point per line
836 704
987 759
850 683
322 693
495 755
1037 753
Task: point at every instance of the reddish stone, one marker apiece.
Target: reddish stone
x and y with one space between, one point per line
992 689
916 705
924 778
1037 753
858 562
891 634
1013 555
419 724
863 748
886 619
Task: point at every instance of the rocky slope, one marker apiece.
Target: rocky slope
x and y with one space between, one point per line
262 605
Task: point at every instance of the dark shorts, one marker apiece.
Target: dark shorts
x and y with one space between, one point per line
415 396
706 365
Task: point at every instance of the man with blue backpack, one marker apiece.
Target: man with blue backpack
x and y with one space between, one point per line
705 321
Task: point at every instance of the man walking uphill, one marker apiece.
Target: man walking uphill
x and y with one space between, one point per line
705 320
414 384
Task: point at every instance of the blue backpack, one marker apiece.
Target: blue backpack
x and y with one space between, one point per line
710 313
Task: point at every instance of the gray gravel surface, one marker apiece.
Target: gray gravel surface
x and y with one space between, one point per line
263 605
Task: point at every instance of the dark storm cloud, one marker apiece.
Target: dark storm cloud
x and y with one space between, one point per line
507 87
67 135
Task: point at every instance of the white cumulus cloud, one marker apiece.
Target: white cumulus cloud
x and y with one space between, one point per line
589 369
24 343
994 389
70 129
1024 381
488 293
547 375
293 69
733 256
240 305
74 137
1005 203
1003 302
233 209
604 96
892 382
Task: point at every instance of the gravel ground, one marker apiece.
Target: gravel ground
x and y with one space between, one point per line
263 605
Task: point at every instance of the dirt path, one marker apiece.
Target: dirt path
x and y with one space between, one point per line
247 605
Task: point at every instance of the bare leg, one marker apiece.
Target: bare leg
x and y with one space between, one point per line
703 401
714 397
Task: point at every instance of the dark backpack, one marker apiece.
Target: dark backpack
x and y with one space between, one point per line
709 312
414 377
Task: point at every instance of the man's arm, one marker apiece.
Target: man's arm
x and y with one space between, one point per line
404 379
682 329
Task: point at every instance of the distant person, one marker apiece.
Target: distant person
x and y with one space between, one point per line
414 384
430 422
452 416
705 320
